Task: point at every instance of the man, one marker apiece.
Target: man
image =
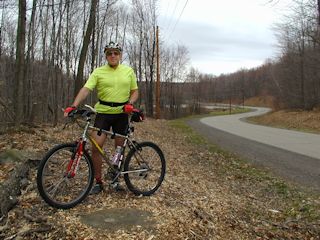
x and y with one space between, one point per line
116 86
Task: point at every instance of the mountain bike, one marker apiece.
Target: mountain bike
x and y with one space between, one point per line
65 175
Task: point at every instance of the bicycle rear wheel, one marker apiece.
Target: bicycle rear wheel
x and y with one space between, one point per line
55 186
145 166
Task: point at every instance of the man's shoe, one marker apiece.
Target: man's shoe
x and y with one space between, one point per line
97 188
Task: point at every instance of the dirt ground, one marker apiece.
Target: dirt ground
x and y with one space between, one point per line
207 194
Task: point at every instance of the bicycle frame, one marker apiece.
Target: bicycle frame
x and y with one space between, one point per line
73 164
100 150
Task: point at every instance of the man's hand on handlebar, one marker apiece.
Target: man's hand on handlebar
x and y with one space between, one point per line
69 110
128 108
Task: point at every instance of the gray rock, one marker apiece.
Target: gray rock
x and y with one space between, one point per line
115 219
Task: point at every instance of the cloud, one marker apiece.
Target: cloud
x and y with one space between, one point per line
231 36
207 41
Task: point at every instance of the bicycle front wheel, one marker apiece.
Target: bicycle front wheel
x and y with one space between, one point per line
58 188
144 168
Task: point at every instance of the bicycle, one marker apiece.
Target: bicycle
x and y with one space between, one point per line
65 175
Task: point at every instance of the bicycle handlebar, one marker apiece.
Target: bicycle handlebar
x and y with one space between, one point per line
83 112
91 108
87 113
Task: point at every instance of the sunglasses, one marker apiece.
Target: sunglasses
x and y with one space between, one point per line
112 53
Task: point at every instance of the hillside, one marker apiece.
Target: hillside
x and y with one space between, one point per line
207 194
294 119
308 121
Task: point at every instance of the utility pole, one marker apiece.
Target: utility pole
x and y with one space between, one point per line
158 78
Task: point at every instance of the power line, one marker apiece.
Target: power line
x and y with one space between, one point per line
174 11
178 18
166 12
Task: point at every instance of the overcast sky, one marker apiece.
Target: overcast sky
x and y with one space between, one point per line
222 36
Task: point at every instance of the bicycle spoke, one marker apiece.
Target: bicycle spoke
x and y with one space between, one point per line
144 169
56 186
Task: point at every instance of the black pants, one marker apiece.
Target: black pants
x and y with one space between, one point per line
118 122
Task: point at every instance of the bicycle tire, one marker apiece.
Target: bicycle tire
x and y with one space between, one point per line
53 166
139 158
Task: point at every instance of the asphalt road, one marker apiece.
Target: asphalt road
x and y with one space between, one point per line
292 155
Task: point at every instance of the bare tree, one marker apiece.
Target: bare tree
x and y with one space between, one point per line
20 63
85 44
319 12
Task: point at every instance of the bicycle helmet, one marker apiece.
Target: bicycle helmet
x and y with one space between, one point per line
112 45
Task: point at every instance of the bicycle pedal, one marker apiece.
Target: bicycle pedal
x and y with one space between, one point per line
117 187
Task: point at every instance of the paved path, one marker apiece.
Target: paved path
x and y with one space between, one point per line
299 142
295 156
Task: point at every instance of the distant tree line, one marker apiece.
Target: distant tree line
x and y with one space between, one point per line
293 79
49 47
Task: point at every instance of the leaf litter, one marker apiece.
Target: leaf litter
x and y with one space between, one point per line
205 195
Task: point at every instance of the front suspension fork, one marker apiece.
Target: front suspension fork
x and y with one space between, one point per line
73 164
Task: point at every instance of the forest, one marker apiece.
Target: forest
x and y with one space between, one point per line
49 47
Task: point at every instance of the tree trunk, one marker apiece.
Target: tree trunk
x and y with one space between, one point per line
86 41
93 46
318 12
1 28
20 64
30 59
10 189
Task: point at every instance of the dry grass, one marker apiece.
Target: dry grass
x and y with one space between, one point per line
308 121
262 101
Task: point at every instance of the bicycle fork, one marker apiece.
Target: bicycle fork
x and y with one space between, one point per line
73 164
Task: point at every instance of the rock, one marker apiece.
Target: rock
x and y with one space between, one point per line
115 219
17 156
11 155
